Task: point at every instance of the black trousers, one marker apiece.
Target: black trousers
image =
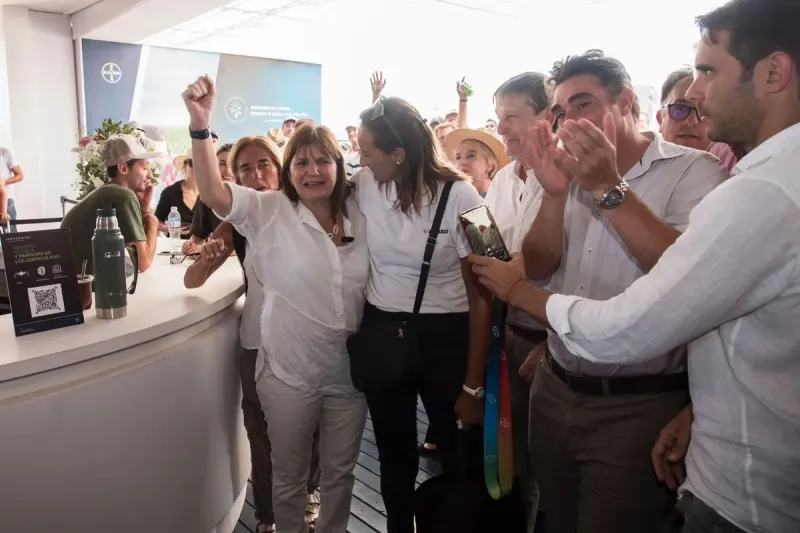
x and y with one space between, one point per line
443 346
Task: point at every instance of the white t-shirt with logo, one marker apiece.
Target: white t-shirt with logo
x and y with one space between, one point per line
396 243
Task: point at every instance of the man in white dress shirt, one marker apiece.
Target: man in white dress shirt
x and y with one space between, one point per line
591 482
729 286
513 198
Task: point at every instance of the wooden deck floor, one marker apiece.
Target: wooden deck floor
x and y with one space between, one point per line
367 514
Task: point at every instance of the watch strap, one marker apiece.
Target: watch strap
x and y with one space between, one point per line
200 135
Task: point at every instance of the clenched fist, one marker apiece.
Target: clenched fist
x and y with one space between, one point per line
199 100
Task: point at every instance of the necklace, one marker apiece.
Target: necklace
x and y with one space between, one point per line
335 231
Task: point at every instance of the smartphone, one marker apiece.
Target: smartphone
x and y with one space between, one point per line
482 233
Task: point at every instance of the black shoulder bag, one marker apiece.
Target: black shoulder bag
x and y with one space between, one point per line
383 355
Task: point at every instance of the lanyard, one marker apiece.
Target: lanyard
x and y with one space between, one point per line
498 458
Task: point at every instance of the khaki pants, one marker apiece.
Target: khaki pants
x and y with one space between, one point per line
591 457
260 449
293 416
517 350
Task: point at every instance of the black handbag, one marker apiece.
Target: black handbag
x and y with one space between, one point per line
383 355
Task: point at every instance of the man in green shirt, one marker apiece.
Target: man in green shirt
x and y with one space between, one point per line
129 192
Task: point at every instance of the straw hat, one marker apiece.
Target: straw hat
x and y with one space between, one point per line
456 137
179 161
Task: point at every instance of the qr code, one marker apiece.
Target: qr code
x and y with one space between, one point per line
46 300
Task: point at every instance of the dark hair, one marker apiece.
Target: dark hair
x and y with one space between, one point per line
394 123
610 72
530 84
225 148
673 80
757 29
113 172
306 136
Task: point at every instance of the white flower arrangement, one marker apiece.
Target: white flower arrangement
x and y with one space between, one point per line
92 171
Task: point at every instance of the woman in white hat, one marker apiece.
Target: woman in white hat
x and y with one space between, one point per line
478 154
181 194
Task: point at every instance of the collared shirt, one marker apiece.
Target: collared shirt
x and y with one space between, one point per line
352 162
730 286
397 245
728 157
671 180
313 290
514 204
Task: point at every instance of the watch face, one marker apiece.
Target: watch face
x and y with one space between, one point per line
479 392
613 198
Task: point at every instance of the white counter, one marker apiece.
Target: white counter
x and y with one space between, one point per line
128 425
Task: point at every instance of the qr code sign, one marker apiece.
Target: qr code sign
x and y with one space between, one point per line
46 300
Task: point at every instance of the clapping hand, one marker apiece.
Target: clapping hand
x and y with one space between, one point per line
589 155
541 154
378 83
199 100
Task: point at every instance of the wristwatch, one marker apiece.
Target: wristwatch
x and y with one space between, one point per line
200 135
478 393
614 196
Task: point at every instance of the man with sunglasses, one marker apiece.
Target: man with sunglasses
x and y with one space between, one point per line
679 120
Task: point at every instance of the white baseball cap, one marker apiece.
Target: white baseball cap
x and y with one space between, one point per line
125 148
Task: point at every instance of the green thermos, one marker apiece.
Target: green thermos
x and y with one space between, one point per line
108 255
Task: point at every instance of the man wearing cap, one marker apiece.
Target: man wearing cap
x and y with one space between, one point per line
352 160
289 125
452 117
129 192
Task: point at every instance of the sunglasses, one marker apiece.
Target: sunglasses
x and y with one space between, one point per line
679 112
189 163
177 259
379 111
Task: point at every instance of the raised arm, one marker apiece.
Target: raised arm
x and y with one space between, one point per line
199 100
377 82
464 91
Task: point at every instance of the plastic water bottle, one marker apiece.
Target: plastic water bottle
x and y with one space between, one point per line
174 225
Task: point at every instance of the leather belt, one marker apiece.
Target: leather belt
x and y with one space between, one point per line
530 335
614 386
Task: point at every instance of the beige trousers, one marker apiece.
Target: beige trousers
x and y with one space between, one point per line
292 418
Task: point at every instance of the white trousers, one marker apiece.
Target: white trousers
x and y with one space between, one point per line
292 418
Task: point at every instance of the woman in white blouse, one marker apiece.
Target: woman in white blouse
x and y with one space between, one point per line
309 250
398 192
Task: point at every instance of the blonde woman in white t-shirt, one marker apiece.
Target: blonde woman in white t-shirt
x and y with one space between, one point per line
399 192
309 251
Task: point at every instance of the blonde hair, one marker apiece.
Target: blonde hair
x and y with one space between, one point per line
484 150
255 140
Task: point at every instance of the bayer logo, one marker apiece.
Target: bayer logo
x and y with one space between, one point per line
111 72
236 110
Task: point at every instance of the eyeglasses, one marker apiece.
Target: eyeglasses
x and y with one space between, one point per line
177 260
679 112
377 111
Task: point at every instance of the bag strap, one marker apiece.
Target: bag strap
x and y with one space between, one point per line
432 236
